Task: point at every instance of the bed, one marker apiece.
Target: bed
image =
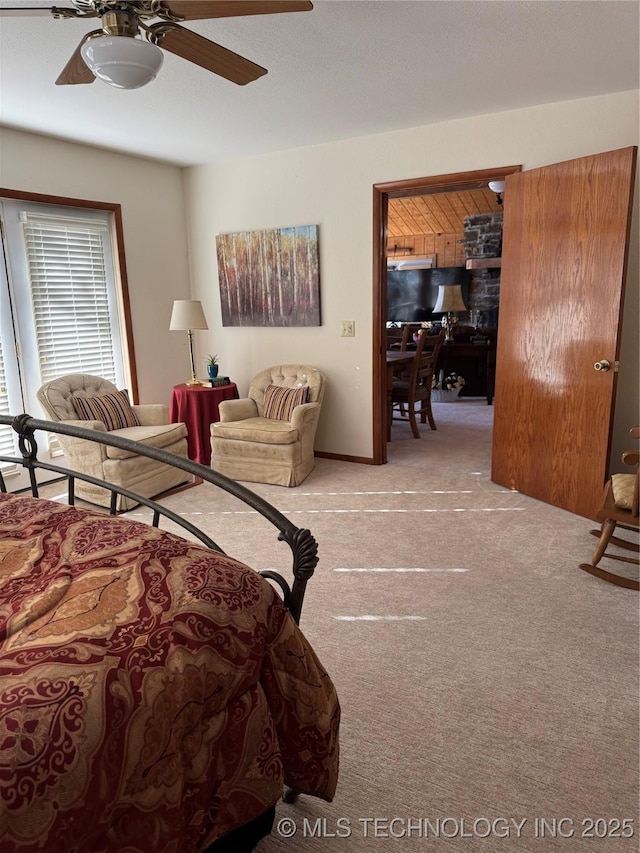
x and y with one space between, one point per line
156 695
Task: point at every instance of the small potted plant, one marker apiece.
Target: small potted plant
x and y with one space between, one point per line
212 366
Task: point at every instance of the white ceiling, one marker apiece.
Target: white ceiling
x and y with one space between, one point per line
348 68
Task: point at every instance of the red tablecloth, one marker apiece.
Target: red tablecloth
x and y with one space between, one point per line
197 407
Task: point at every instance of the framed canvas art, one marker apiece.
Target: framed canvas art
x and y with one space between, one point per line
270 278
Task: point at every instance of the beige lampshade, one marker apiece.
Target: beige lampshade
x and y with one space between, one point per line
449 298
187 314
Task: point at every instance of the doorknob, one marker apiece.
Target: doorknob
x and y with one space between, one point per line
603 365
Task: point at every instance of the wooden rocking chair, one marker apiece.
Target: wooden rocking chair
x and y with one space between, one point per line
619 508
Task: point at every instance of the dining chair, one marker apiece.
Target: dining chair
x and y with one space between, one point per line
408 331
406 343
416 388
432 342
394 336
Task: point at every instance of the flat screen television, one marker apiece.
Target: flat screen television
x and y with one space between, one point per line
411 294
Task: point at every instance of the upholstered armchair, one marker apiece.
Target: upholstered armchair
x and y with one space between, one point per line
95 403
268 436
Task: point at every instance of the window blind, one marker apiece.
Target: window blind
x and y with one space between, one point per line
67 273
7 435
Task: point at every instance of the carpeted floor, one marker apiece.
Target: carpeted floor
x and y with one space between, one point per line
489 687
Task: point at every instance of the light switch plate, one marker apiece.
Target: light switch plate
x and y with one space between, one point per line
348 329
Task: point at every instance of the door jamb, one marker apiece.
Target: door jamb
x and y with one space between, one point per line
381 194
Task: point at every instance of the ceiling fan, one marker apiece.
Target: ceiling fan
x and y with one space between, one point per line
125 52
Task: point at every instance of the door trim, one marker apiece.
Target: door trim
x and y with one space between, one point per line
381 194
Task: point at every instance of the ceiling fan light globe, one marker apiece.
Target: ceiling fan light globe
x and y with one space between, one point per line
122 61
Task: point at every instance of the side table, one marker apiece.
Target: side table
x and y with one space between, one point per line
197 407
476 362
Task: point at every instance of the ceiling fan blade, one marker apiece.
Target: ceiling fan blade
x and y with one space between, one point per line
192 10
56 11
76 70
207 54
20 11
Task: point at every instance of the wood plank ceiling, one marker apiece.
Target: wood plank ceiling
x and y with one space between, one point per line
437 213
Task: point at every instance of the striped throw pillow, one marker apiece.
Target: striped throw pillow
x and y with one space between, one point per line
279 402
114 410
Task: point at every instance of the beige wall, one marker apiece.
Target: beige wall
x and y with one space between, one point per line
331 185
152 199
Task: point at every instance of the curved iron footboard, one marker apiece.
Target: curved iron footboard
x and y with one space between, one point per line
303 545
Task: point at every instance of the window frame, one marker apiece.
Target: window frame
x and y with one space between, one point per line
119 260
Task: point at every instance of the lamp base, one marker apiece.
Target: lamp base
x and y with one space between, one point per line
194 381
448 322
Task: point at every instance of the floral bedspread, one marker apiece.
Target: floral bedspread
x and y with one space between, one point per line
153 694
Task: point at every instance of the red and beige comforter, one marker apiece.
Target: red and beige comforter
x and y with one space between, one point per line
153 694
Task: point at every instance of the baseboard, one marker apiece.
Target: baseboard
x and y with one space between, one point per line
360 460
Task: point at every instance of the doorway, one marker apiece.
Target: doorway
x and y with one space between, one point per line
382 193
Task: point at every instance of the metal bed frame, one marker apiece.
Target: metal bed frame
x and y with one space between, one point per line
303 545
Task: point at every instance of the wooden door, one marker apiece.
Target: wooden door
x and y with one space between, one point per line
565 245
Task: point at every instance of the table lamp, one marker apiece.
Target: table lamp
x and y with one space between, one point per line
187 315
449 300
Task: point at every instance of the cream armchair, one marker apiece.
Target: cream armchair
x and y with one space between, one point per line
268 437
145 476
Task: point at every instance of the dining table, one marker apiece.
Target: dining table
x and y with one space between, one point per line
396 360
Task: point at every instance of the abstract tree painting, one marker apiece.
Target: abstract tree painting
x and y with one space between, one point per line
270 278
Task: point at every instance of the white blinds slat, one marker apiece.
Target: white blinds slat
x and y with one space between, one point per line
7 435
66 265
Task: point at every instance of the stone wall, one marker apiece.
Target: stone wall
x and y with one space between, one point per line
483 239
